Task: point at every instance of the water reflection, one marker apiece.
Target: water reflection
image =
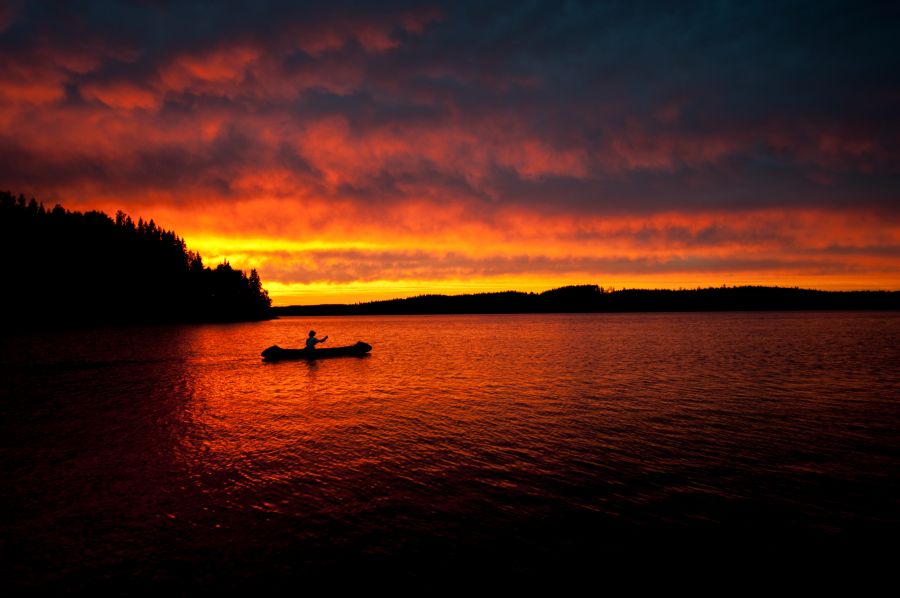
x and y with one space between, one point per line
172 452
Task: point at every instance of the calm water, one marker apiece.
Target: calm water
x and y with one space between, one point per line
519 444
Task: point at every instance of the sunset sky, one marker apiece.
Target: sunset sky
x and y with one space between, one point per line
360 150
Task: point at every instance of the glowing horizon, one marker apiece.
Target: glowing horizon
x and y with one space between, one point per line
352 153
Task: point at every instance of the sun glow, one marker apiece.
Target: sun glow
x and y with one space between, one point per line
359 292
345 164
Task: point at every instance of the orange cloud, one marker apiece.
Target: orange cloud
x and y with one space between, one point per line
121 95
329 249
355 154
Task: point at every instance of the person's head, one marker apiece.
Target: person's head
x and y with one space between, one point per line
312 332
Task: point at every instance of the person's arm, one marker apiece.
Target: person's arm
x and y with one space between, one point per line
324 339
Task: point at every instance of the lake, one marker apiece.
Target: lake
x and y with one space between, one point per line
517 445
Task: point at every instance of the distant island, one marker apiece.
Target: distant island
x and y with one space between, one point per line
593 298
67 267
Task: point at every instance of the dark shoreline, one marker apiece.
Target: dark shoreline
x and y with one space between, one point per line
84 269
595 299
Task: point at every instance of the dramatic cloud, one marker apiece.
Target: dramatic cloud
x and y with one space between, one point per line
347 146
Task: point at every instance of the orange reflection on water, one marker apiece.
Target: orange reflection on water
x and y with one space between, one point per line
565 429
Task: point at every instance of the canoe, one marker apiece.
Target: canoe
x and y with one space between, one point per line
276 353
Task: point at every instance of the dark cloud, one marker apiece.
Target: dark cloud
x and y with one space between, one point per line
589 106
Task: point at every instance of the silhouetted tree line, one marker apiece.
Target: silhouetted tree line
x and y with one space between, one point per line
80 268
593 298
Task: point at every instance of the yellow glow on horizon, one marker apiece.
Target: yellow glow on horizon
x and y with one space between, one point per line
218 246
283 294
358 292
223 246
312 252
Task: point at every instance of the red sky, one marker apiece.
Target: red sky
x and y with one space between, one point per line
354 152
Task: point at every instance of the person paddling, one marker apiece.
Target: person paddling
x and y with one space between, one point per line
312 341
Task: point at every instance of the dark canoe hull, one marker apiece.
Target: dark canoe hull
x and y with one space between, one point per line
276 353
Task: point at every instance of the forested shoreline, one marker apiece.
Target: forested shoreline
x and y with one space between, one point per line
593 298
68 267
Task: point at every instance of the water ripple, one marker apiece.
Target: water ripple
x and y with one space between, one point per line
457 437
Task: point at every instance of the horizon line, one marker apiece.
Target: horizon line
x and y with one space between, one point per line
605 290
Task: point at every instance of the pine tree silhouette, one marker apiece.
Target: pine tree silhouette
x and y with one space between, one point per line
71 267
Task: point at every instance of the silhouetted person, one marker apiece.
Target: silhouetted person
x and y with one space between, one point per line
312 341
